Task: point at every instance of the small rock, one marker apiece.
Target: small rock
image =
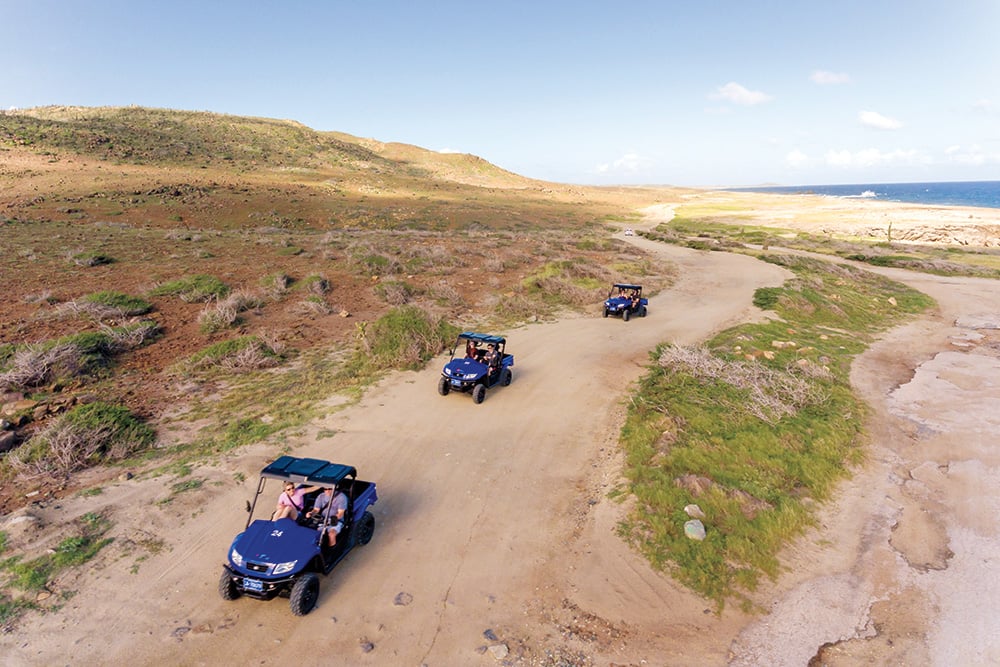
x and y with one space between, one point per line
694 529
403 599
694 512
499 651
125 476
367 647
489 634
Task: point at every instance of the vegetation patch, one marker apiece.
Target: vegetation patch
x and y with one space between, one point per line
405 338
86 435
753 427
238 355
24 579
77 356
121 304
193 289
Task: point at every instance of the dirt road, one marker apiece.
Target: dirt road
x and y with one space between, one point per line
494 541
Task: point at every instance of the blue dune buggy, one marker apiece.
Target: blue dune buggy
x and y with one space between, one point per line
285 557
626 300
483 363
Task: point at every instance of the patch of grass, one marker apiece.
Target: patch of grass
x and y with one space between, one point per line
86 435
36 574
127 305
241 354
194 289
91 259
754 426
404 339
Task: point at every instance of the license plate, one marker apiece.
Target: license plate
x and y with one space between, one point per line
253 584
456 383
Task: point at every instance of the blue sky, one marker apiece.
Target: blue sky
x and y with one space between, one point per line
695 93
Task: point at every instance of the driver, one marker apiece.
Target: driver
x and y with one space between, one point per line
492 358
331 505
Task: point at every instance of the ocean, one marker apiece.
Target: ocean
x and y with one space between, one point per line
968 193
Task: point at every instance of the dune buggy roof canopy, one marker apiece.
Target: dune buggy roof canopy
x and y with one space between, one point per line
311 471
481 338
626 286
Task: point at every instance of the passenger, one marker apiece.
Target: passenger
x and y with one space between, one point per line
331 505
492 358
291 501
470 349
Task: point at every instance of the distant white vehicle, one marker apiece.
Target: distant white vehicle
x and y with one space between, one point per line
629 232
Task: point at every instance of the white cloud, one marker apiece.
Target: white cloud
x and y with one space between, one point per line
971 155
986 106
825 78
871 157
737 94
630 162
878 121
796 158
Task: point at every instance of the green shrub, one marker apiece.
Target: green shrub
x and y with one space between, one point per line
84 436
91 259
404 338
237 355
129 305
195 289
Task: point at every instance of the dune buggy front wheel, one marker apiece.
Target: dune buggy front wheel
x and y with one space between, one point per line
444 386
227 587
304 594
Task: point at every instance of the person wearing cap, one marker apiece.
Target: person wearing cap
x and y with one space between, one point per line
331 506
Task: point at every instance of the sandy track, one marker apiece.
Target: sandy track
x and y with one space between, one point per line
493 522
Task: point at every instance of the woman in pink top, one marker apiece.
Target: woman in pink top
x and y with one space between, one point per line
291 501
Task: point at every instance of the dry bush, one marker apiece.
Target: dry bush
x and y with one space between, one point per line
249 358
35 365
317 284
42 297
313 306
276 285
493 264
96 311
121 339
218 316
395 293
225 313
569 292
446 292
773 394
68 450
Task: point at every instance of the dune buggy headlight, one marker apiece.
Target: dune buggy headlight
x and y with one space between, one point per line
236 557
281 568
469 376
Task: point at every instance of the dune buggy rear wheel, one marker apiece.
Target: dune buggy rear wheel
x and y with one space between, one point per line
227 587
305 592
505 377
366 528
444 386
479 393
